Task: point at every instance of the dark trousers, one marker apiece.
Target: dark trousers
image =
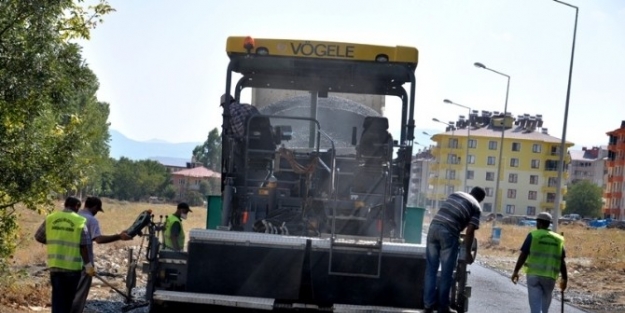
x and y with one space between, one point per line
63 289
82 291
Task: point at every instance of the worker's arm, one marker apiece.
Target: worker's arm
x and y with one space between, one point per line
563 272
525 251
112 238
175 233
468 243
85 241
40 235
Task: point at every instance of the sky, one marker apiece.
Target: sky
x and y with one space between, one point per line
162 64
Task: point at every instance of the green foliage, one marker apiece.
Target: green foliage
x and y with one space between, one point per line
138 180
209 153
584 198
53 131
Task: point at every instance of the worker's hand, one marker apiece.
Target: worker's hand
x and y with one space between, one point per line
124 236
90 269
515 277
563 284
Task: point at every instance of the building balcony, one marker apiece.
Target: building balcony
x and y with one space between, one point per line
620 145
551 205
617 194
607 195
619 162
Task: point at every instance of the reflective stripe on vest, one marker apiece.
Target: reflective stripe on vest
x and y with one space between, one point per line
167 242
63 234
545 255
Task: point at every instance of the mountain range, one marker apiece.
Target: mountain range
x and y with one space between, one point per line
122 146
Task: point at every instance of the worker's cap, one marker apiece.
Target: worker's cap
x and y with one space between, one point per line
545 216
223 98
184 205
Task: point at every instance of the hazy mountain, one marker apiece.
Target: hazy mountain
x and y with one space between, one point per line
140 150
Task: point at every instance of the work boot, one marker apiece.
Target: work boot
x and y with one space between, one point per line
448 310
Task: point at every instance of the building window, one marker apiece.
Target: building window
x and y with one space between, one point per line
470 174
487 207
551 197
511 193
450 174
450 189
532 195
535 163
468 188
453 143
531 210
472 143
514 162
491 160
181 181
552 182
489 191
536 148
490 176
516 146
492 145
510 209
452 159
513 178
533 179
555 150
471 159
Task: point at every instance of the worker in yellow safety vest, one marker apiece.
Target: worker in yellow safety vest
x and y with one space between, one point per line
543 258
173 236
66 238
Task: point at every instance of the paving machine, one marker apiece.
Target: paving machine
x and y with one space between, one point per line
312 212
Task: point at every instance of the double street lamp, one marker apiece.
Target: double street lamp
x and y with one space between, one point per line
466 160
503 128
556 214
448 173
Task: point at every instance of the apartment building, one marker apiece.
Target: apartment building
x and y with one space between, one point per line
467 155
419 178
614 191
588 164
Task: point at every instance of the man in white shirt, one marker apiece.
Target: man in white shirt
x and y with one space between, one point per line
93 205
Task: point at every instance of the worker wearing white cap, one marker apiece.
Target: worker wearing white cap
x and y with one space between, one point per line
542 258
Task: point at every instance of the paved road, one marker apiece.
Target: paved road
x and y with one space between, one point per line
493 292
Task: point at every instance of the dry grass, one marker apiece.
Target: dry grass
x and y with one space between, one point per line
117 216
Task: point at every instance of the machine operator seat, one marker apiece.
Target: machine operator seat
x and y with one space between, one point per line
374 153
375 147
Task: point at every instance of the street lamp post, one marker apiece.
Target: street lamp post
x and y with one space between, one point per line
503 128
466 160
422 167
556 214
447 174
437 178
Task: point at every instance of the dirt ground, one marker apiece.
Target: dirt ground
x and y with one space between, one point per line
595 258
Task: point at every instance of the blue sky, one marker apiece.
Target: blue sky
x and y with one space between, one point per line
162 64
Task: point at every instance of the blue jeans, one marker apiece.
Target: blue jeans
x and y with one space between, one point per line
63 290
539 291
441 249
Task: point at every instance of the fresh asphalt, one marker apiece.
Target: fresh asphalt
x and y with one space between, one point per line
493 292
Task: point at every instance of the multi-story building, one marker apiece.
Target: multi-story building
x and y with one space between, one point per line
419 178
528 177
588 164
614 191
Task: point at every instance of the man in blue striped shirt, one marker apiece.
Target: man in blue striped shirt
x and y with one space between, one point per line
461 210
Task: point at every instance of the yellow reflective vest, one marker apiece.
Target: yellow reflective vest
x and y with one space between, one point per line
545 255
167 241
63 234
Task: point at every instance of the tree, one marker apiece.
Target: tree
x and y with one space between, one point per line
209 153
48 106
584 198
137 180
